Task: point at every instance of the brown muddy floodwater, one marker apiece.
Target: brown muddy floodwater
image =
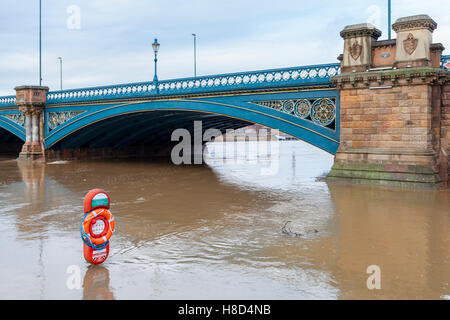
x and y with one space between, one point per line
214 232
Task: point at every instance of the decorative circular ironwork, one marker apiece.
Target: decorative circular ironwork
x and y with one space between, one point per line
323 111
288 106
302 108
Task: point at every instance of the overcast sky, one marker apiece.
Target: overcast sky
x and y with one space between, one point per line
111 41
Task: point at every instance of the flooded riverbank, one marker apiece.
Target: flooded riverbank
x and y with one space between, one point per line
214 231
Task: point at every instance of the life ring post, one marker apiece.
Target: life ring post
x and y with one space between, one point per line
97 226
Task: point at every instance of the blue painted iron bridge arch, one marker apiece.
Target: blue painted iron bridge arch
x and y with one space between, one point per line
299 101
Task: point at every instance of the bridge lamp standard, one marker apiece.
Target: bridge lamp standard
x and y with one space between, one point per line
40 42
155 46
60 72
195 55
389 19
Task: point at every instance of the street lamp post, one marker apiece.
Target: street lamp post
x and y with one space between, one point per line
60 72
155 46
389 19
195 55
40 42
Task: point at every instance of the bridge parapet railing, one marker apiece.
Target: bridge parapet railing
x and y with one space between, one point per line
264 79
7 101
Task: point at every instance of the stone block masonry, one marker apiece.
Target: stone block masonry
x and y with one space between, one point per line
395 120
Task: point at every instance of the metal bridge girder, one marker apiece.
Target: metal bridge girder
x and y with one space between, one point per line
271 109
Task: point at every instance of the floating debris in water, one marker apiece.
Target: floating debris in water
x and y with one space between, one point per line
288 231
59 162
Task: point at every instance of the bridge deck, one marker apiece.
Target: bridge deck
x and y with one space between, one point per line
299 101
313 75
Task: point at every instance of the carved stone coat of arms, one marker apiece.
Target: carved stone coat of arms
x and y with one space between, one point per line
355 50
410 44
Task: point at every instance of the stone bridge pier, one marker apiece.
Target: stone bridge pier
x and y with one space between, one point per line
31 100
394 106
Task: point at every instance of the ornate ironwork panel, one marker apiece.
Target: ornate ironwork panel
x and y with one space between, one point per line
55 119
16 118
321 111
